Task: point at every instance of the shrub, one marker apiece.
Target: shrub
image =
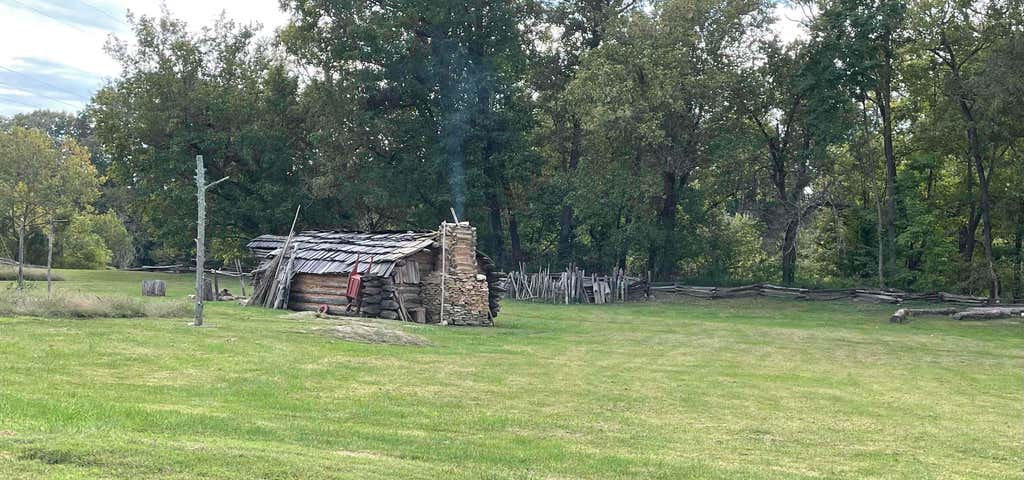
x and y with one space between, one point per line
82 247
75 305
10 273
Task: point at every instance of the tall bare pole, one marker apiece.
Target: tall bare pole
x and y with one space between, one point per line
49 260
201 188
21 255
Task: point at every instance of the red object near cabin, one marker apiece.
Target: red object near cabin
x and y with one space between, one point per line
355 283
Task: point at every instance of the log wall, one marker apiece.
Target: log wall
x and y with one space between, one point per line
309 291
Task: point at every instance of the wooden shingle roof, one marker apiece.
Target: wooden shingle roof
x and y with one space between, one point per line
330 252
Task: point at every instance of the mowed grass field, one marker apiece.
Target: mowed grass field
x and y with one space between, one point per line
748 389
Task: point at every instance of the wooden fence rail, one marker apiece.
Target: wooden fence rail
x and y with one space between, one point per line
768 290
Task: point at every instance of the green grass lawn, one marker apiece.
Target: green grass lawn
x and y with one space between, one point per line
746 389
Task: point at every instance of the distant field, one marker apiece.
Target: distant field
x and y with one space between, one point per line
748 389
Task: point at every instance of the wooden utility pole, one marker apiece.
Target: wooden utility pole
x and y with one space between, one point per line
21 255
49 261
201 188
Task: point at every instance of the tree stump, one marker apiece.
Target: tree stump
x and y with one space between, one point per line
153 288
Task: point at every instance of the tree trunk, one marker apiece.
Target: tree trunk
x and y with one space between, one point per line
968 235
881 250
1018 267
566 231
496 239
984 200
515 243
21 256
985 203
661 257
789 252
885 109
154 288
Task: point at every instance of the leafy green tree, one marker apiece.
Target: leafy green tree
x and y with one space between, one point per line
960 35
864 37
82 246
219 93
415 107
92 241
571 29
41 182
796 117
653 95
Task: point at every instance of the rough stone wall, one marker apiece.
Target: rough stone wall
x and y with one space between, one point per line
466 289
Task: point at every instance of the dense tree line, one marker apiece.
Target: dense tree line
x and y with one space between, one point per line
681 137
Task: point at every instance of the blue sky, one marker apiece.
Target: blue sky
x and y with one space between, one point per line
52 56
51 51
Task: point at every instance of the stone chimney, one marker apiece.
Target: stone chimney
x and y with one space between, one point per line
465 285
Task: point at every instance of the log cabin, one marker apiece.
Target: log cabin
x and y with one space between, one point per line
420 276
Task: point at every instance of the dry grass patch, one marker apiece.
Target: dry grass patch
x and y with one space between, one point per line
370 333
9 273
361 330
74 305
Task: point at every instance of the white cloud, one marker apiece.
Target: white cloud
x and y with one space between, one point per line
51 51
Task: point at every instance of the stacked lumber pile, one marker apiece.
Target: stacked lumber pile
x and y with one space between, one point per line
574 285
769 290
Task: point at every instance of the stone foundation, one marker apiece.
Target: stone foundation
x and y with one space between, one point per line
466 296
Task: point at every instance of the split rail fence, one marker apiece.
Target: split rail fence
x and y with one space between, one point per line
768 290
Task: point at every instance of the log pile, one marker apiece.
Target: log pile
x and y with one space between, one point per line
973 313
769 290
495 282
380 300
575 285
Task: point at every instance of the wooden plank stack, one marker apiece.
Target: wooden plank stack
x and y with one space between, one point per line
574 285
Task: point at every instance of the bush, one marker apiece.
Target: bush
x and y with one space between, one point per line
81 247
72 305
114 234
10 273
93 241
